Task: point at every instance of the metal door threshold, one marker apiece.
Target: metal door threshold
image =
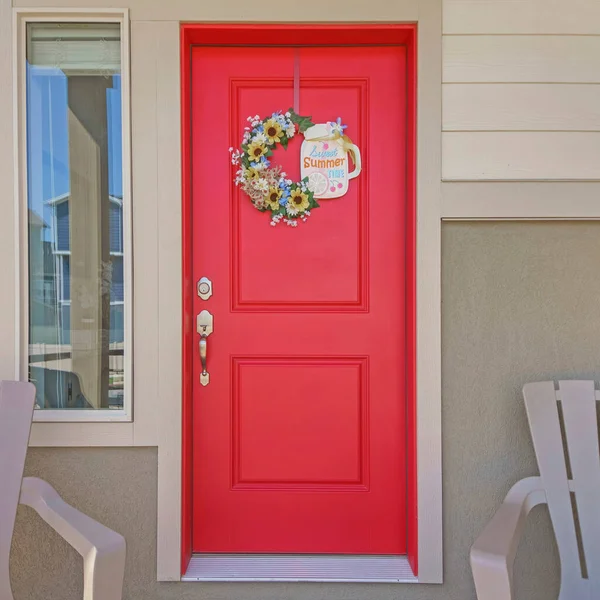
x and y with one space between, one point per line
299 567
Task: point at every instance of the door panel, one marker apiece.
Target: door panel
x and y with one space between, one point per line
299 438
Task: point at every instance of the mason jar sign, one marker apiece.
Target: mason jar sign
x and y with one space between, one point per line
324 159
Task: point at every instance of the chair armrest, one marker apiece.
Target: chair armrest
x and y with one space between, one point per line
493 553
102 549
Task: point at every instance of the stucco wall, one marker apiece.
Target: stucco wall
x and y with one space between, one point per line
520 303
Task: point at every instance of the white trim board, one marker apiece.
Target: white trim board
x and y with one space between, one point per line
527 200
9 311
429 301
259 12
298 567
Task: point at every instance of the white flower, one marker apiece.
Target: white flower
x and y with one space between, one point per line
273 223
291 210
290 131
259 138
288 181
288 114
246 137
239 177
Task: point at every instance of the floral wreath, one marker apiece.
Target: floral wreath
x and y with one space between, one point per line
268 187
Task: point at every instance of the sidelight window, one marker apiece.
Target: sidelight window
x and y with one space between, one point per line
78 254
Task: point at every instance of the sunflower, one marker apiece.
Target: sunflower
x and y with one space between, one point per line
299 200
272 197
256 151
251 173
273 131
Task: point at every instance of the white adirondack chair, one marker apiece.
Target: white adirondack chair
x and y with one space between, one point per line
493 553
103 550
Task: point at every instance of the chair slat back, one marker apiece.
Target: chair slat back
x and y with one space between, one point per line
16 411
578 399
579 419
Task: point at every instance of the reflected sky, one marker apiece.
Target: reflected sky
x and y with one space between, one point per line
47 138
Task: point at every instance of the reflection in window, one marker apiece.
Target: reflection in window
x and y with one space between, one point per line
75 216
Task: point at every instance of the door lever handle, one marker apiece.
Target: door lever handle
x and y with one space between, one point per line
204 376
204 326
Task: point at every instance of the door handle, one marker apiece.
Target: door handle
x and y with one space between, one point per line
204 376
204 326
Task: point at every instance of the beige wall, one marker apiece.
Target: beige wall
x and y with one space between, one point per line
520 93
520 303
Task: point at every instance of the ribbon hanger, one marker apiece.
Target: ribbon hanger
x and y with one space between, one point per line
297 80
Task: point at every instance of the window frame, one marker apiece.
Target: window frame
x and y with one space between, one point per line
21 19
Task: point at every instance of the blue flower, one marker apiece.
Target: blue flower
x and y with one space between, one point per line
283 200
259 128
337 126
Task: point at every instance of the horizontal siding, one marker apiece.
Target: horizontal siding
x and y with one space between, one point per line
526 59
522 16
521 99
520 155
521 107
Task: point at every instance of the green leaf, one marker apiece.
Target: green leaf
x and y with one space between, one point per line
284 142
303 122
269 152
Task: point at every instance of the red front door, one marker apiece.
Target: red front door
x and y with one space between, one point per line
299 439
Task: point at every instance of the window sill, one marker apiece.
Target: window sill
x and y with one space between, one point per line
80 416
292 568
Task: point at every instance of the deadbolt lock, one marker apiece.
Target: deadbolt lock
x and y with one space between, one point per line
204 287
